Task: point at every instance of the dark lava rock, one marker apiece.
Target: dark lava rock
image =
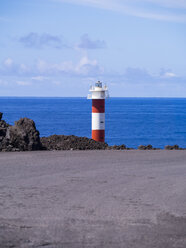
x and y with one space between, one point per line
62 142
3 132
120 147
3 129
148 147
174 147
23 136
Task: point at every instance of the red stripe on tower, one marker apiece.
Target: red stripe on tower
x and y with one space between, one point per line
98 105
98 95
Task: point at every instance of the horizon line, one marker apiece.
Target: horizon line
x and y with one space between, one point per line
177 97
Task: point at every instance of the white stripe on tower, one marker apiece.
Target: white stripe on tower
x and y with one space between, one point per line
98 121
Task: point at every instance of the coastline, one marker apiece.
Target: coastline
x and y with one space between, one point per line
129 121
23 136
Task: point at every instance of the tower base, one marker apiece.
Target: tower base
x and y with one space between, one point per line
98 135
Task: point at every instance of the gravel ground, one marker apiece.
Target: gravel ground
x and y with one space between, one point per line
79 199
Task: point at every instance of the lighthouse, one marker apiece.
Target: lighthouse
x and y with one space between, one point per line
98 94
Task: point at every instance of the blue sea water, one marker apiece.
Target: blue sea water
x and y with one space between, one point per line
129 121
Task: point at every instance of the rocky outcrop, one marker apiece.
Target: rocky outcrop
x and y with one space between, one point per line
23 136
119 147
174 147
3 131
148 147
62 142
3 127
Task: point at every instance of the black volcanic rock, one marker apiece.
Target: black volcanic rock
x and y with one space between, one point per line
3 127
119 147
174 147
62 142
23 136
3 132
148 147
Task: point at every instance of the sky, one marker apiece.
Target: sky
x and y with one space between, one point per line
61 47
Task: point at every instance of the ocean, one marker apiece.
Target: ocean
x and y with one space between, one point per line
129 121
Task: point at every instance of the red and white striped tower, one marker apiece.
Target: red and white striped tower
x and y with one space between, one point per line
98 95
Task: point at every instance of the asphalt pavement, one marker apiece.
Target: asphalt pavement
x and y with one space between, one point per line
93 199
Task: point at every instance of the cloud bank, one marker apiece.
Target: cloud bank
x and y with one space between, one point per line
42 70
53 79
87 43
39 41
35 40
83 67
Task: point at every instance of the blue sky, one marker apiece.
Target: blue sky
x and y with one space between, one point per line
60 47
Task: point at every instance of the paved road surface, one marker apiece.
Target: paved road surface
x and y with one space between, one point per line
93 199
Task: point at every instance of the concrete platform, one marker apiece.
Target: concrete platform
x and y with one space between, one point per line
79 199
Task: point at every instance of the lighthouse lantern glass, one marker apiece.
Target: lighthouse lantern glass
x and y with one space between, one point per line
98 84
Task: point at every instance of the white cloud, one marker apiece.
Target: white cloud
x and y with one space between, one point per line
45 67
88 67
9 67
85 61
42 66
39 78
84 67
42 69
66 66
132 82
23 83
167 3
87 43
8 62
24 68
139 8
169 75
